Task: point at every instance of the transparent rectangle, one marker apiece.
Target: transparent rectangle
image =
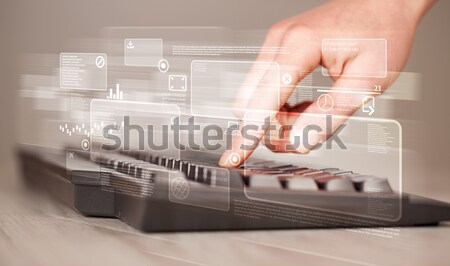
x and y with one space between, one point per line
369 143
350 48
143 52
83 71
148 129
76 161
216 85
214 196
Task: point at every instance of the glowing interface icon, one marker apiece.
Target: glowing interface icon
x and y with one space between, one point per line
179 188
287 79
325 102
142 52
163 65
234 159
83 71
85 144
100 61
177 82
117 95
130 45
368 105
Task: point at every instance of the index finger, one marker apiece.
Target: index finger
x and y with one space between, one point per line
266 101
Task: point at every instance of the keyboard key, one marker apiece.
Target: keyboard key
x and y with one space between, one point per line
323 179
329 169
339 184
184 168
338 172
164 161
252 161
256 162
171 163
368 183
200 174
301 183
317 175
208 176
292 169
358 180
155 160
268 172
304 171
148 158
254 167
133 169
311 173
177 165
376 185
127 168
141 156
277 165
192 172
264 181
138 173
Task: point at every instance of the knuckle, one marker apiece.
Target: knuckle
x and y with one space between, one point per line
276 30
298 33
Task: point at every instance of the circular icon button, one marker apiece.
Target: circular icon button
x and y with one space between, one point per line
287 79
100 61
85 144
325 102
163 65
234 159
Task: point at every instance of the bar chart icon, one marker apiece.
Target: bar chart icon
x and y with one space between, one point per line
117 95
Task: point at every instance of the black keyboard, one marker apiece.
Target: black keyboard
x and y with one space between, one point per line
154 192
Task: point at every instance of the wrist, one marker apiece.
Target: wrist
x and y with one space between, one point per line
416 9
411 10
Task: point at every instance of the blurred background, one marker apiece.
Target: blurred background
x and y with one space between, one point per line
47 26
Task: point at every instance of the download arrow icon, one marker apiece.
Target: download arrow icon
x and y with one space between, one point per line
130 45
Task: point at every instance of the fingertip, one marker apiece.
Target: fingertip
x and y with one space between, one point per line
224 159
231 159
304 151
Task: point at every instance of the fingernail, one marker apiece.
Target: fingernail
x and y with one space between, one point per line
224 159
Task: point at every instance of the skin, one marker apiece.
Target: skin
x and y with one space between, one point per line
302 35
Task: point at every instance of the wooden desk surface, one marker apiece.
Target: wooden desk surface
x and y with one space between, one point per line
35 230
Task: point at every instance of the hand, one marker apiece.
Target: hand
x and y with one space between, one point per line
302 35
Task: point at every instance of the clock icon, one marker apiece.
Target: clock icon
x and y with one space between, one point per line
325 102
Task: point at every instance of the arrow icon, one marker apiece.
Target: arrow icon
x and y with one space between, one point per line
371 110
367 106
130 45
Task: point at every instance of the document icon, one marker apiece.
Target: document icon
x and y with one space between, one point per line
143 52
